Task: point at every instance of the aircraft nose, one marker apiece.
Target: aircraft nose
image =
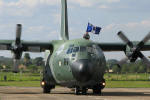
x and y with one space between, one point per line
82 70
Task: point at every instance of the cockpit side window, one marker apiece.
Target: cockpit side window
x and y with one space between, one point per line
69 50
76 49
82 49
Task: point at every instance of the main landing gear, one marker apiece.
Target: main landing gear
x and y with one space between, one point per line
97 89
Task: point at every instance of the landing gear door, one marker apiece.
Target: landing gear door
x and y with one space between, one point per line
46 55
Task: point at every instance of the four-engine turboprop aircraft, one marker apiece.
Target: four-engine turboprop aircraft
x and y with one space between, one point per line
78 63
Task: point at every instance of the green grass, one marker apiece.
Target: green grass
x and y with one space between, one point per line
20 76
109 84
21 83
127 77
112 80
127 84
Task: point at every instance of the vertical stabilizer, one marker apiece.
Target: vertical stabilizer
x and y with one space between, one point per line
64 21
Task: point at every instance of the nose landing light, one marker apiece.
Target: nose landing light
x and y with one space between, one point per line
103 83
42 83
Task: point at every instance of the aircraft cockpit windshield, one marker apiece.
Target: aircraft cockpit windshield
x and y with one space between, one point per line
76 49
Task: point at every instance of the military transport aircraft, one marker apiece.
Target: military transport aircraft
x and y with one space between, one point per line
79 64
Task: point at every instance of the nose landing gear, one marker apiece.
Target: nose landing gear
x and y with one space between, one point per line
82 91
97 89
46 87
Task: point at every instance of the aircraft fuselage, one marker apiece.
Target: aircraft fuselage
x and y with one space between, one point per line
73 63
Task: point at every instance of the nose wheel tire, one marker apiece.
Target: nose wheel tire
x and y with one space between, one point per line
79 91
46 89
84 91
97 90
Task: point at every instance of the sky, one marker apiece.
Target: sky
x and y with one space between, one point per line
41 20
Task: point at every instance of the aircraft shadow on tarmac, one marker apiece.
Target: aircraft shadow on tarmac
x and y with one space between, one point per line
88 94
112 94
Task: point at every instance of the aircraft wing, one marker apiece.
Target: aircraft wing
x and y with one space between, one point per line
121 46
26 46
112 46
37 46
5 44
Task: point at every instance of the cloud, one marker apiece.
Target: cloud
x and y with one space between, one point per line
91 3
83 3
130 25
57 18
28 7
144 23
103 7
112 1
110 26
24 7
31 3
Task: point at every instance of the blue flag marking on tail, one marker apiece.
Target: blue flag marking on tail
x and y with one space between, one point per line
93 29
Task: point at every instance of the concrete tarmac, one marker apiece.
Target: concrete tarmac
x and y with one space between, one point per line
59 93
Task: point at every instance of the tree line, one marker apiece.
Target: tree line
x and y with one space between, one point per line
137 67
35 65
26 63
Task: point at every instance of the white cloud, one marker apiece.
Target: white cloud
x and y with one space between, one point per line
23 7
32 3
57 18
103 7
28 7
112 1
110 26
144 23
91 3
130 25
50 2
83 3
1 2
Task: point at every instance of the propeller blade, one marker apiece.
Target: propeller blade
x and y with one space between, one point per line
145 39
15 67
125 39
144 59
123 61
146 62
18 33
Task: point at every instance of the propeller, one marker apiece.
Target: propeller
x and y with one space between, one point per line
17 48
135 50
15 66
18 34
